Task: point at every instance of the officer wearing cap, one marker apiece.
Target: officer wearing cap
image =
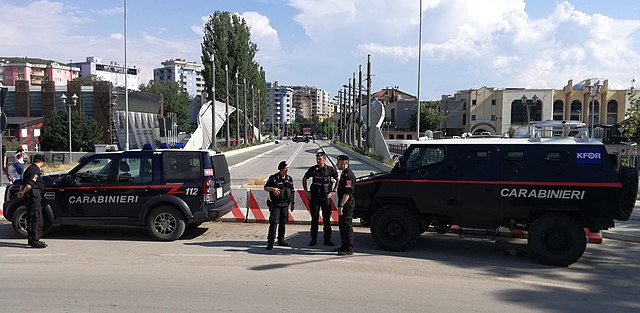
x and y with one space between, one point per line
346 204
31 191
280 188
322 190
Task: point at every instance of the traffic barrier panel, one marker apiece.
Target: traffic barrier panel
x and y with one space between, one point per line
259 212
2 216
239 211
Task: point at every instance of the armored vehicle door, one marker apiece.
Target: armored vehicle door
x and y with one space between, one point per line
477 193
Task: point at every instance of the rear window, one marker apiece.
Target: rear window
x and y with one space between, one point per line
182 165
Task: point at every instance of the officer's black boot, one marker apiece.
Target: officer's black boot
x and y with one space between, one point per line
327 242
38 244
269 245
313 242
283 243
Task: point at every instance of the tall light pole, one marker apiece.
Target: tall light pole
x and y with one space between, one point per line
253 116
534 101
237 111
349 121
244 110
74 101
594 91
369 102
354 140
226 104
259 116
344 114
419 70
360 104
213 101
126 86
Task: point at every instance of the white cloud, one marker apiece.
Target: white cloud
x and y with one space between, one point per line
118 36
263 34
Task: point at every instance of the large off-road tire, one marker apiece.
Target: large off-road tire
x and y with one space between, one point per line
166 223
19 222
557 239
394 228
629 178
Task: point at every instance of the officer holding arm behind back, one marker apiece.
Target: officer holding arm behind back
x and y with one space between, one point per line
346 204
281 195
320 194
31 191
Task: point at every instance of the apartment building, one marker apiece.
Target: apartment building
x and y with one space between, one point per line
280 110
111 72
35 71
187 74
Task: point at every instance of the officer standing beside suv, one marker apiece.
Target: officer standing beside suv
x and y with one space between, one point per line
281 193
31 191
321 192
346 203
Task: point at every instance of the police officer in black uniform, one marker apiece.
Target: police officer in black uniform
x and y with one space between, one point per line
321 192
346 203
281 193
31 191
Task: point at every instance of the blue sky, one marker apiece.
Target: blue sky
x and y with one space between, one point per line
466 44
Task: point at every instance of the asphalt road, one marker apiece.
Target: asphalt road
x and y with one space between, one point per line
251 167
225 268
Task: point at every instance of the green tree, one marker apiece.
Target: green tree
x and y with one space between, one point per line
430 116
88 80
228 36
632 123
174 100
85 132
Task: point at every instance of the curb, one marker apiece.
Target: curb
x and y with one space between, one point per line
377 164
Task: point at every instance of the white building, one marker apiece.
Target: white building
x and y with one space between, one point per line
187 74
112 72
280 110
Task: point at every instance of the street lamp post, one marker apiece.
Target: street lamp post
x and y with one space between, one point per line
213 101
259 117
594 91
237 111
74 100
253 116
244 109
226 104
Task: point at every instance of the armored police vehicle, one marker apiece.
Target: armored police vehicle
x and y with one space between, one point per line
164 190
553 187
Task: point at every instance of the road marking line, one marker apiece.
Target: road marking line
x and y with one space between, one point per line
34 254
294 155
541 283
194 254
259 155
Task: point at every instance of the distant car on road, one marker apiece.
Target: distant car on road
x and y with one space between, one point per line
300 139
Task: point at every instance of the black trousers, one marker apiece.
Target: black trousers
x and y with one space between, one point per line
320 204
345 223
34 218
278 217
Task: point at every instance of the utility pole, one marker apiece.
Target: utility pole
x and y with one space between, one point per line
344 128
369 102
340 129
237 110
244 110
350 119
214 144
419 65
354 140
360 104
253 116
226 78
259 116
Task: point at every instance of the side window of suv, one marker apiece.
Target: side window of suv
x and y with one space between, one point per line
182 165
423 156
95 171
135 170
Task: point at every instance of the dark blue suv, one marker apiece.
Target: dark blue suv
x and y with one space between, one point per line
164 190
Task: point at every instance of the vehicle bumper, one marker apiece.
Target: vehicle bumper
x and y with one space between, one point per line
217 211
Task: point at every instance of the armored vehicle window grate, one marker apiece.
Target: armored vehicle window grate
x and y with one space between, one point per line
423 156
514 156
557 156
482 155
182 166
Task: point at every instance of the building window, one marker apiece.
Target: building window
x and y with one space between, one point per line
522 113
464 119
493 118
474 102
493 101
612 112
576 110
558 110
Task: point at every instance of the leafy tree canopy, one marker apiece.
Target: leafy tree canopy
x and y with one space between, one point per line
85 132
174 100
430 116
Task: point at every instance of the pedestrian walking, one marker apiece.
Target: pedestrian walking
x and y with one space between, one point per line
320 194
280 188
31 192
346 204
18 162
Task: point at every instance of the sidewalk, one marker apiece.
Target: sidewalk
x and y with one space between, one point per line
628 230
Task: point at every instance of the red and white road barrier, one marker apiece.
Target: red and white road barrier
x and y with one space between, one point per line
239 211
259 212
2 216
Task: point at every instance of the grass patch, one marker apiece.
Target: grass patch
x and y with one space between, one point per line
65 167
227 149
256 181
363 151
